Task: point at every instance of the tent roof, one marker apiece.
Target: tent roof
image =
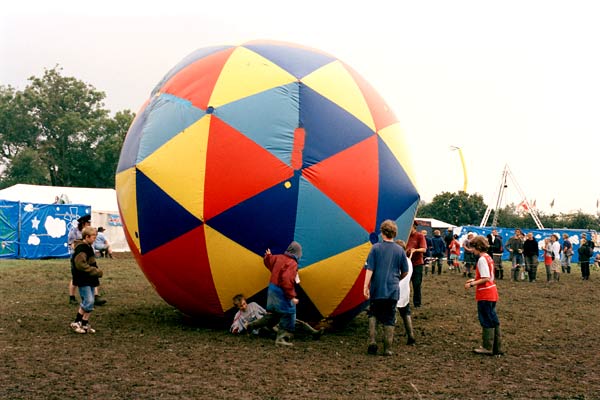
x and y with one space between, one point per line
98 199
435 223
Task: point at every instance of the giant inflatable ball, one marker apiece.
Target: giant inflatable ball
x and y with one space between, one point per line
245 148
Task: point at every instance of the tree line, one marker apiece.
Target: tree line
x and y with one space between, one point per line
57 132
462 209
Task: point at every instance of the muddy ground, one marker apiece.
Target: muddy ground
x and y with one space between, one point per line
145 349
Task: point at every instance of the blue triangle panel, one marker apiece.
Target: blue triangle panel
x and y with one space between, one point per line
265 221
268 118
169 116
396 191
131 144
297 61
322 227
190 58
405 221
160 218
329 128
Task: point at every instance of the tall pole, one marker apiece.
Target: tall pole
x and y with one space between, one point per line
462 161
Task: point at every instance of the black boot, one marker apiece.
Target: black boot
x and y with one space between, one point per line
372 348
497 348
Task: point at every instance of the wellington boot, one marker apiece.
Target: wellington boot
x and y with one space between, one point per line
556 276
284 338
487 339
388 340
372 349
409 330
497 347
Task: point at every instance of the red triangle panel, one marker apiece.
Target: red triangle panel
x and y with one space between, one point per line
383 116
236 169
197 81
354 297
350 179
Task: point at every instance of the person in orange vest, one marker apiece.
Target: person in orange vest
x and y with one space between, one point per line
486 295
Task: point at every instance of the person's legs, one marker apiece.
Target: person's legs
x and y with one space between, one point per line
489 321
81 324
417 279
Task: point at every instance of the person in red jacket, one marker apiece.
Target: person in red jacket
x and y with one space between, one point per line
486 295
281 297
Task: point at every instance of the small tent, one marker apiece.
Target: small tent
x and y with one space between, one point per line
103 202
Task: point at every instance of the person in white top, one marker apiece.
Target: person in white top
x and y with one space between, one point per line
556 259
403 304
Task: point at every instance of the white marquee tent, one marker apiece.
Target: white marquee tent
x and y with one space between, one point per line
105 211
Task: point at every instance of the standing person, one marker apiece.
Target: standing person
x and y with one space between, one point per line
428 250
102 245
531 252
403 304
469 257
448 240
548 259
85 274
455 254
555 249
567 253
486 295
496 250
438 252
515 247
416 247
585 252
386 266
75 234
281 296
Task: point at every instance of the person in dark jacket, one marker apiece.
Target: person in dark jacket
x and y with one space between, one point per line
86 276
495 250
531 252
585 252
438 252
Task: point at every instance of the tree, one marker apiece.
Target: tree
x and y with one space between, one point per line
458 208
62 123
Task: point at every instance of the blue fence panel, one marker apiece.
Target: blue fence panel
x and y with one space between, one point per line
9 228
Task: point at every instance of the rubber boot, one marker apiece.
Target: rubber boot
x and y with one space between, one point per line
372 349
388 339
410 334
284 338
557 276
497 348
501 273
487 342
316 333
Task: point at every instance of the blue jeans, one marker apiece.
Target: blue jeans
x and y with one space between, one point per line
87 298
282 307
486 311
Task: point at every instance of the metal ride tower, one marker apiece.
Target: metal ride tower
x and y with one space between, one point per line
506 173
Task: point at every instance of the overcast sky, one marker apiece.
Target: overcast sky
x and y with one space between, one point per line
512 83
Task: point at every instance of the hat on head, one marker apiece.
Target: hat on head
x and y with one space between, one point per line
101 229
295 250
84 219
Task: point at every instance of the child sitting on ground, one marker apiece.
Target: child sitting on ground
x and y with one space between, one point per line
246 314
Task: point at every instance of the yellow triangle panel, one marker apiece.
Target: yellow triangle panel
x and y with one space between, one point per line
328 282
238 270
244 74
127 199
178 167
395 139
334 82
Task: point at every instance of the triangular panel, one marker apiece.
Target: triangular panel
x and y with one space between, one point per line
350 179
382 115
354 301
131 144
127 200
196 81
182 276
263 221
247 73
396 191
268 118
234 268
236 169
405 221
322 227
334 82
395 139
160 218
178 167
297 60
329 128
328 282
169 116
